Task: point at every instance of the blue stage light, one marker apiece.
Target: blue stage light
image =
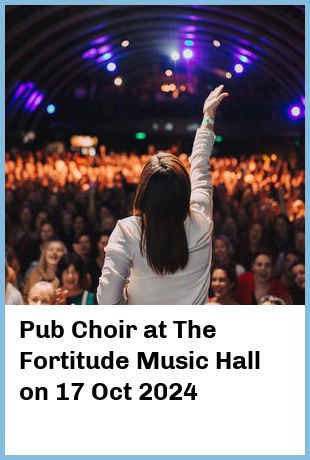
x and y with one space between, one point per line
106 56
189 43
238 68
295 111
188 53
111 66
243 58
50 108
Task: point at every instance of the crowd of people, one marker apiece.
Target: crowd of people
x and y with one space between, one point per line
61 210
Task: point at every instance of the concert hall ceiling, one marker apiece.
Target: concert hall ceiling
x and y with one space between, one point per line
59 55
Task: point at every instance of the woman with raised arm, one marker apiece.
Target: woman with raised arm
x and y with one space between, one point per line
162 254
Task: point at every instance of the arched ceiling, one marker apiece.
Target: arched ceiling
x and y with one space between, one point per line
46 45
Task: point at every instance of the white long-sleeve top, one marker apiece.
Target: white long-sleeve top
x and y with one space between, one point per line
125 266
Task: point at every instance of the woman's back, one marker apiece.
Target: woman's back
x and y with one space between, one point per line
133 272
187 286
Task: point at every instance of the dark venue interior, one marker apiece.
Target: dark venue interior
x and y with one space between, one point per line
93 91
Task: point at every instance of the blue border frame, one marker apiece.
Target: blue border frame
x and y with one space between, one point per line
2 215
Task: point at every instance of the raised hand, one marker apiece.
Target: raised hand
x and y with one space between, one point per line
213 101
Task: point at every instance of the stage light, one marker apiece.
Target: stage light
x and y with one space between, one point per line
165 88
228 75
37 102
175 55
50 108
187 53
155 126
303 100
172 87
243 58
273 157
189 43
111 67
140 136
99 40
168 72
297 143
106 56
218 139
238 68
118 81
89 54
168 126
216 43
103 49
175 94
295 111
125 43
182 88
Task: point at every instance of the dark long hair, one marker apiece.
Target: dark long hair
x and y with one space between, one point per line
163 202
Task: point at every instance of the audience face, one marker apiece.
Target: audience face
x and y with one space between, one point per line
102 243
298 274
256 234
220 251
41 217
41 295
46 232
262 268
70 278
288 260
281 227
85 245
220 284
79 224
26 216
300 242
67 221
54 252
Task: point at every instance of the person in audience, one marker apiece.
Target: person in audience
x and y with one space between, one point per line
289 256
271 300
299 243
84 248
259 282
72 275
223 282
223 253
281 236
51 253
101 241
12 295
42 293
252 242
297 270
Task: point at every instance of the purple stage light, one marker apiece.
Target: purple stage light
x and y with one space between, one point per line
37 102
89 54
295 111
103 49
19 91
188 53
31 99
238 68
245 52
99 40
303 100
